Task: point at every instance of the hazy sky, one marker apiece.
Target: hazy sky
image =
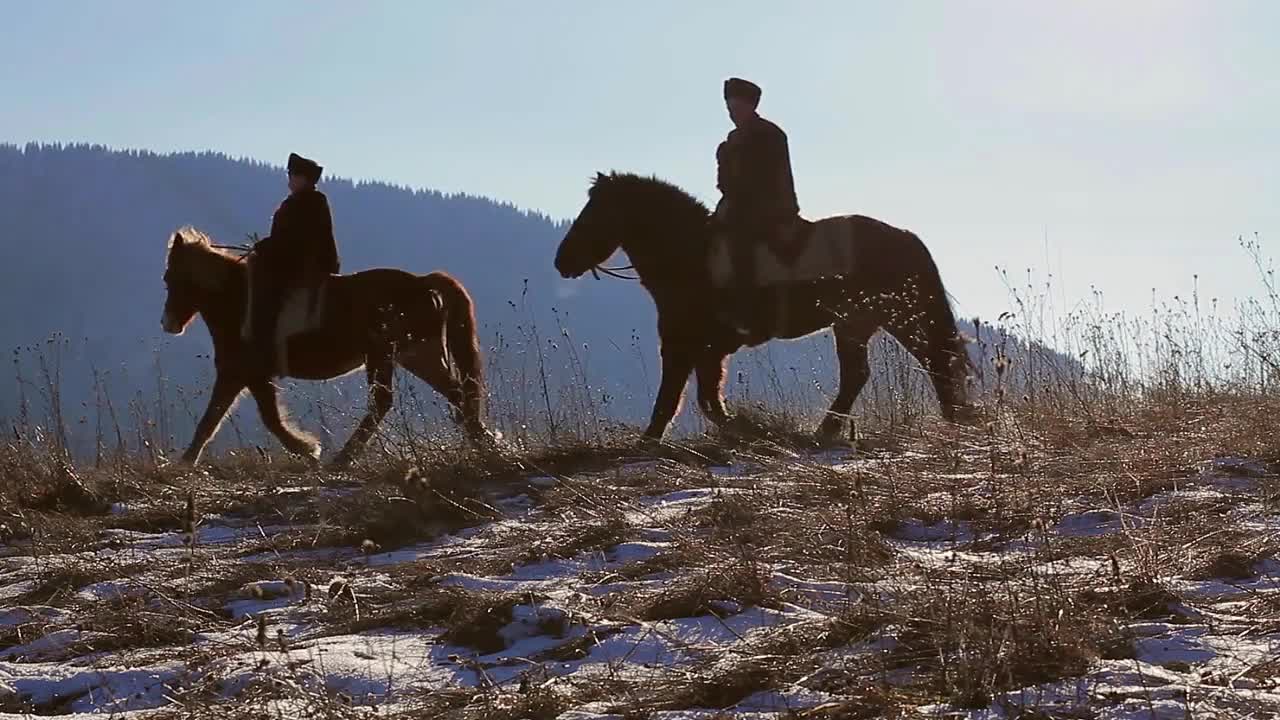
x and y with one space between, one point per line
1119 144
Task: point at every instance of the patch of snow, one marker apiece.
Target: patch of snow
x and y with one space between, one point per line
111 590
412 553
212 534
709 630
543 481
1093 523
12 589
314 557
820 592
31 613
942 531
367 667
264 596
515 503
629 552
50 646
1181 646
782 701
271 589
1152 508
663 509
1240 469
92 689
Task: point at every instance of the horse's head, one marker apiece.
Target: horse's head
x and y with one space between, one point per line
597 231
191 276
656 223
180 301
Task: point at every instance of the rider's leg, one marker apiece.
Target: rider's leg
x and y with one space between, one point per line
741 297
266 310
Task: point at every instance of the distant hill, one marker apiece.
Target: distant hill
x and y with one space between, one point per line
84 231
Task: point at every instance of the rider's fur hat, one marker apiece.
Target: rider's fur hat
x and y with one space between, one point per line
299 165
737 87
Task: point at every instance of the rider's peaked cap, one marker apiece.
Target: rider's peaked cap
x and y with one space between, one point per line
737 87
309 169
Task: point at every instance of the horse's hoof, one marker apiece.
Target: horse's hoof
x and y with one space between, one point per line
829 430
649 442
485 437
826 439
721 419
966 415
186 462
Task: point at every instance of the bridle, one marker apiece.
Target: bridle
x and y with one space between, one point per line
614 272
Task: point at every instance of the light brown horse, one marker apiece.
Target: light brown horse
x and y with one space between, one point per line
888 280
376 318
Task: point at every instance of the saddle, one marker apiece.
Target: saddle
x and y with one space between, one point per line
300 308
793 252
789 240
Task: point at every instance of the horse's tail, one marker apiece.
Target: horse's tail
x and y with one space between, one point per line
463 344
948 348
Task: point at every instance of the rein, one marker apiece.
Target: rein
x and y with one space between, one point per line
614 272
244 250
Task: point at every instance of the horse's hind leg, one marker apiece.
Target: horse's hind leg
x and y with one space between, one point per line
855 370
938 360
710 372
431 368
380 372
221 399
269 407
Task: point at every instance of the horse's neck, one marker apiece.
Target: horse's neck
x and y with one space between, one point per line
223 306
667 258
664 276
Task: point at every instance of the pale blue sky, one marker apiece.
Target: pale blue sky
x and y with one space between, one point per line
1118 144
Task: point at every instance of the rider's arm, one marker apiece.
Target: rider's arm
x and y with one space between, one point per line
760 157
326 248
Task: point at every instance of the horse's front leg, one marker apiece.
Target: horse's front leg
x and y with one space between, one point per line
710 372
221 399
677 363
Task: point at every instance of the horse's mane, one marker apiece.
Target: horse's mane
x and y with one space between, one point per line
649 189
193 236
208 262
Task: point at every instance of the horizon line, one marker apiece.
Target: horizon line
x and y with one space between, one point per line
251 160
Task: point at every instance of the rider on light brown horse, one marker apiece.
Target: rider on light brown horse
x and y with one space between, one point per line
300 252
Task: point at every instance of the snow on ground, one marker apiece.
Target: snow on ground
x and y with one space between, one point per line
558 621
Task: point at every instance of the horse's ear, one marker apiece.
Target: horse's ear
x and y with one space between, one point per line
178 240
601 177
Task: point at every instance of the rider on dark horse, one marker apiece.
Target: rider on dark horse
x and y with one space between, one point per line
758 196
300 252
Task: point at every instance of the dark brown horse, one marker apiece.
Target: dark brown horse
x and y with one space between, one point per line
376 318
888 281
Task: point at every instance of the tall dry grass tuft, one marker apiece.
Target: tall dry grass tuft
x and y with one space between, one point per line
902 548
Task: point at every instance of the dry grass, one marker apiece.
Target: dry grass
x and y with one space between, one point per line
961 634
934 564
719 590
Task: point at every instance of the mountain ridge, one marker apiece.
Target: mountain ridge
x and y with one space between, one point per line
92 223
